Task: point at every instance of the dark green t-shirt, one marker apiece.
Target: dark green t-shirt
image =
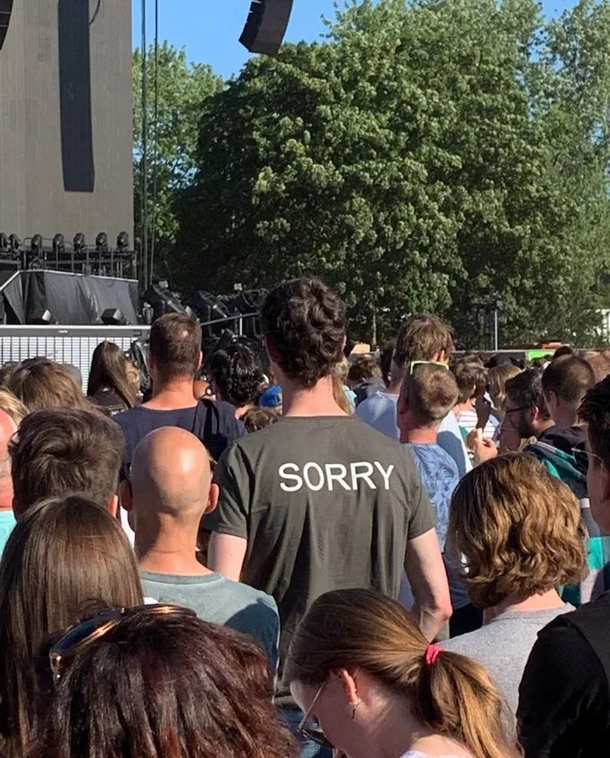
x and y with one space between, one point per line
325 503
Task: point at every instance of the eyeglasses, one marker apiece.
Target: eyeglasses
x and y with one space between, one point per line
582 457
315 735
80 636
414 364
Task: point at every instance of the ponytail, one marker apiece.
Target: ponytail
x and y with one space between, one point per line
448 693
455 696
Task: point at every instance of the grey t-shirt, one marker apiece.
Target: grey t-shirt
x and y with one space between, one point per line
325 503
504 645
221 601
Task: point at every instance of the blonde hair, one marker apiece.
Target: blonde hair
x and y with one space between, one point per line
497 378
517 538
361 629
12 406
41 384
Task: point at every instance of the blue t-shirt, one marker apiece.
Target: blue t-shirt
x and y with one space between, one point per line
7 522
379 411
440 476
213 422
219 600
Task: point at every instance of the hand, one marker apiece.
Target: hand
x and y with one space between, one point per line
484 450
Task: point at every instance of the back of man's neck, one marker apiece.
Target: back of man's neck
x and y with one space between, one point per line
315 401
173 395
157 559
423 436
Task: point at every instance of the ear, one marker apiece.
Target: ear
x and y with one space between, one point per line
126 495
213 498
200 360
113 505
271 350
348 682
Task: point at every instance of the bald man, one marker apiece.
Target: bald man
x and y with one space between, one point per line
7 517
169 491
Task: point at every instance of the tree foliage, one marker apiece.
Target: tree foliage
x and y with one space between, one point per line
174 107
427 156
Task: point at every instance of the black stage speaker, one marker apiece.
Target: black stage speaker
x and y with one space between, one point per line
6 6
266 26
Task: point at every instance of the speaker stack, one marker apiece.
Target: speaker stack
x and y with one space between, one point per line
6 7
266 26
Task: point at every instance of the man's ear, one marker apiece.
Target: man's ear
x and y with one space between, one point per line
213 498
126 495
113 505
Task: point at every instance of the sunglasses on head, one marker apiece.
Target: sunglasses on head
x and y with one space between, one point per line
80 636
414 364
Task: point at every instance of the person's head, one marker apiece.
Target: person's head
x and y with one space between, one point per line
563 351
110 370
362 369
525 412
7 430
565 382
236 375
6 371
428 394
595 412
599 362
62 554
358 656
175 348
497 378
471 379
386 357
162 683
12 406
305 330
62 451
518 528
170 488
260 418
42 383
421 338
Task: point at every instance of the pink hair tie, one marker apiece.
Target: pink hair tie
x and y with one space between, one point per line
432 653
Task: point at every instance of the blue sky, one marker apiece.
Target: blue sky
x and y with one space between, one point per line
210 29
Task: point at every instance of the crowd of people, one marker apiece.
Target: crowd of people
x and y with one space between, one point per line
393 555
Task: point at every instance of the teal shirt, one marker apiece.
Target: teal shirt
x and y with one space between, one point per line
217 599
7 522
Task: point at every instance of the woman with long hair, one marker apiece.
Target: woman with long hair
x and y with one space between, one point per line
61 554
111 384
359 666
158 682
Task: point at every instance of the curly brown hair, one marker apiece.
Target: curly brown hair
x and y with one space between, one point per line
519 528
304 320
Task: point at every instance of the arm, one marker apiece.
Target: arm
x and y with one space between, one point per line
226 555
426 572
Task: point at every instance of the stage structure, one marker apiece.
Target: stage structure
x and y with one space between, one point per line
65 118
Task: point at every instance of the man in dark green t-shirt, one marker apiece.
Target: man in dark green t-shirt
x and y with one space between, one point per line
321 501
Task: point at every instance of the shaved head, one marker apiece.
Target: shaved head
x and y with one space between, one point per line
171 474
7 429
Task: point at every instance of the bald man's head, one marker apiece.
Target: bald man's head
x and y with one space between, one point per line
7 430
171 474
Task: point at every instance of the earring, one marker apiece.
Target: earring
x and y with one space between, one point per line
354 707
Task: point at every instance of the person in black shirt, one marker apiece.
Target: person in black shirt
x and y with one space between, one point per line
564 708
175 356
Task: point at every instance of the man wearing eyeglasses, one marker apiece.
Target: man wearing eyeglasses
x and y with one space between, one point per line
564 708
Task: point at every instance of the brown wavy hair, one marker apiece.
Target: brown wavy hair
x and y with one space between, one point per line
519 528
305 322
163 686
40 383
361 629
110 371
497 377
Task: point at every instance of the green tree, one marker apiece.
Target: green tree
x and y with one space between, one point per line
175 102
428 156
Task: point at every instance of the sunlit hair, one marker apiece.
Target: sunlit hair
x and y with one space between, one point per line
164 686
359 629
497 378
519 529
12 406
61 554
471 378
110 371
430 393
41 383
420 339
